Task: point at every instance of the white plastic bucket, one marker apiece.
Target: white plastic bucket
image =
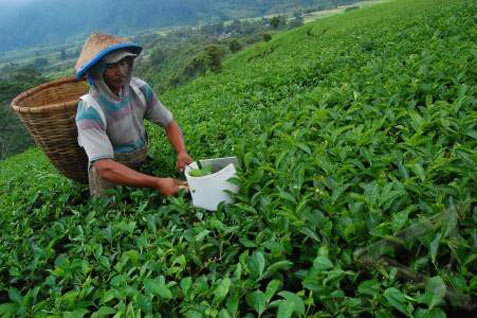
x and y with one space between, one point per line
208 191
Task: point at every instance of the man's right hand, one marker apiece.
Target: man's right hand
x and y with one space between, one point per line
120 174
170 186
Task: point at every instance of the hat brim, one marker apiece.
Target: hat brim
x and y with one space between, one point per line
134 48
117 56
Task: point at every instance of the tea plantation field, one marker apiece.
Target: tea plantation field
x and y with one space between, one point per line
357 140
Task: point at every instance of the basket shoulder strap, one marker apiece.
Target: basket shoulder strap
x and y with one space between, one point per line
91 102
138 92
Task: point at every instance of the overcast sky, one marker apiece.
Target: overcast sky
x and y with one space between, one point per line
3 2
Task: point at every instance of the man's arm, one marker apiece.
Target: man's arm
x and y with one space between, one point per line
159 114
118 173
174 134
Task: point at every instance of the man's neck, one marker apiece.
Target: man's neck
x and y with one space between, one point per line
115 91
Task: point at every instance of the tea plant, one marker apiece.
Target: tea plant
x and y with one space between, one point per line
361 133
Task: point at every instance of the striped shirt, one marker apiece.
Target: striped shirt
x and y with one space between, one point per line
117 126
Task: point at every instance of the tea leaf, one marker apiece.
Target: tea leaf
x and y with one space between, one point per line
224 314
369 287
399 220
256 264
434 246
103 312
232 303
75 314
271 289
199 237
8 309
15 295
285 309
223 289
433 313
322 263
186 284
258 301
396 299
435 291
280 265
295 301
157 288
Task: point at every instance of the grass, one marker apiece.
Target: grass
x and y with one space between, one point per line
313 16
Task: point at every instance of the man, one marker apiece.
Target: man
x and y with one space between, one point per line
110 118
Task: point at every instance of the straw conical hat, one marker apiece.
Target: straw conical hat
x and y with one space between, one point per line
98 46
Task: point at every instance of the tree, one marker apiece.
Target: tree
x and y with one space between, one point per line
267 37
235 27
196 66
158 56
214 57
248 27
13 136
296 21
40 62
212 29
275 22
234 46
63 55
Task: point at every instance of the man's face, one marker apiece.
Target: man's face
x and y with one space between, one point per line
115 75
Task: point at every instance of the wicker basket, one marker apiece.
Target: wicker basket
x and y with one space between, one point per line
48 112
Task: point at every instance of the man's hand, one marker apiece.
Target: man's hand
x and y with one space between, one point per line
118 173
183 159
170 186
175 138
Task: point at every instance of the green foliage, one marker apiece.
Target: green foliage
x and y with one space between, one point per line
13 136
201 172
35 23
275 22
40 62
63 55
234 46
17 81
351 8
296 21
214 55
267 37
158 56
210 59
186 53
344 138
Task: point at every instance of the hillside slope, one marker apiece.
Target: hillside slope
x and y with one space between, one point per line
348 131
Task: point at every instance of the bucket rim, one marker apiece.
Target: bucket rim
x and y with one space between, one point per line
212 175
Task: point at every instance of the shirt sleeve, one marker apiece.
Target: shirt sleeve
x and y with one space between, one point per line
92 133
156 112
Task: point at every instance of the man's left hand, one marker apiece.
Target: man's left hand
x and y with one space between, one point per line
183 159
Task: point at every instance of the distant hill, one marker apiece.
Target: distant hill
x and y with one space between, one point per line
35 22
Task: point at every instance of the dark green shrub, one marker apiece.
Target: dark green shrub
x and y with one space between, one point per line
234 46
267 37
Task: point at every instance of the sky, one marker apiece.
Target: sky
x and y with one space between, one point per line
9 2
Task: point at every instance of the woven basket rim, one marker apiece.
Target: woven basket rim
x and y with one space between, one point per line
46 108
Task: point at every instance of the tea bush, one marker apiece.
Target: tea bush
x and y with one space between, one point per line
345 138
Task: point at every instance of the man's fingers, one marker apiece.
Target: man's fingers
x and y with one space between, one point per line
183 186
181 183
181 166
